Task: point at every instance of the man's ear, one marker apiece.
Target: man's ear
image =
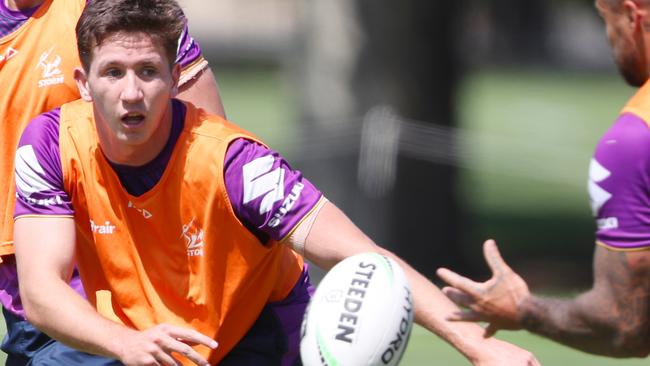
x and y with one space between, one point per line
633 14
81 79
176 76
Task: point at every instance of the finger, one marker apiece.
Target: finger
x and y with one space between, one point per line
191 336
490 330
455 280
457 296
493 257
166 359
173 345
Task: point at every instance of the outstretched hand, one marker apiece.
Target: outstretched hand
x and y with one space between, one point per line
495 301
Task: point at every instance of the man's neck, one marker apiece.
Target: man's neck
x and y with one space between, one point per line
22 4
121 154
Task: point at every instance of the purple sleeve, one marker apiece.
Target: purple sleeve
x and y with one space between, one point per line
188 49
38 174
267 195
619 185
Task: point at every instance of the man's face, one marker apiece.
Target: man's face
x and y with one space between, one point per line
621 35
130 83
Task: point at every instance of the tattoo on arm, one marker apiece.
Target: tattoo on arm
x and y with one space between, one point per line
610 319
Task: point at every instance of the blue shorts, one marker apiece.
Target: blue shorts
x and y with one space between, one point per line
27 346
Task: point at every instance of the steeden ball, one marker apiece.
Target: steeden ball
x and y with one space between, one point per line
360 315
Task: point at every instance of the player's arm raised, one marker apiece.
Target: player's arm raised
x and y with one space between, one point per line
610 319
333 237
45 256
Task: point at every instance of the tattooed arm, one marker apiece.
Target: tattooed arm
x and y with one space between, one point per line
610 319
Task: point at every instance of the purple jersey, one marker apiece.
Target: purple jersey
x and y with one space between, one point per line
268 196
10 20
619 184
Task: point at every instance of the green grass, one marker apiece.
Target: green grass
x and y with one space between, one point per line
425 349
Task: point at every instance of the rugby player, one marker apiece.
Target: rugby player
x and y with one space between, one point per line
612 317
187 231
38 54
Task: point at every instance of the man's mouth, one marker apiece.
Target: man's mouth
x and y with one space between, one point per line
132 119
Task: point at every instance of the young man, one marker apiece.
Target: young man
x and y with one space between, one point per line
613 317
38 54
185 228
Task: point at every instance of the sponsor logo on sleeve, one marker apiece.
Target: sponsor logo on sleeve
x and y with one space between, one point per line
287 205
30 178
261 181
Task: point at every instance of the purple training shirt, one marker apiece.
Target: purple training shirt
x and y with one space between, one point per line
619 184
10 20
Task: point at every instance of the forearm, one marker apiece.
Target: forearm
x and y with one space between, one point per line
591 323
431 306
55 308
431 310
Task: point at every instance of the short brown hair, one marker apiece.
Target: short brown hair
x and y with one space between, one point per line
163 20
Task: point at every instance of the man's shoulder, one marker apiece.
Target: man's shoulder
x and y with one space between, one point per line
201 123
630 133
43 129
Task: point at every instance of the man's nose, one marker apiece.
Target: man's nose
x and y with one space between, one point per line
132 91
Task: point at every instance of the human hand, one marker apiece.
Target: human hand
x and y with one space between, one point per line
498 353
154 346
495 301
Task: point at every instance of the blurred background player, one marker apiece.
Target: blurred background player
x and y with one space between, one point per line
177 217
38 54
612 318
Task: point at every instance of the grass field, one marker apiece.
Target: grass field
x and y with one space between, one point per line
424 349
533 134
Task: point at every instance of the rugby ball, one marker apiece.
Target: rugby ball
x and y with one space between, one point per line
360 315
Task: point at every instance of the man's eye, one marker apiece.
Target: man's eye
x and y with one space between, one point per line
113 73
149 71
